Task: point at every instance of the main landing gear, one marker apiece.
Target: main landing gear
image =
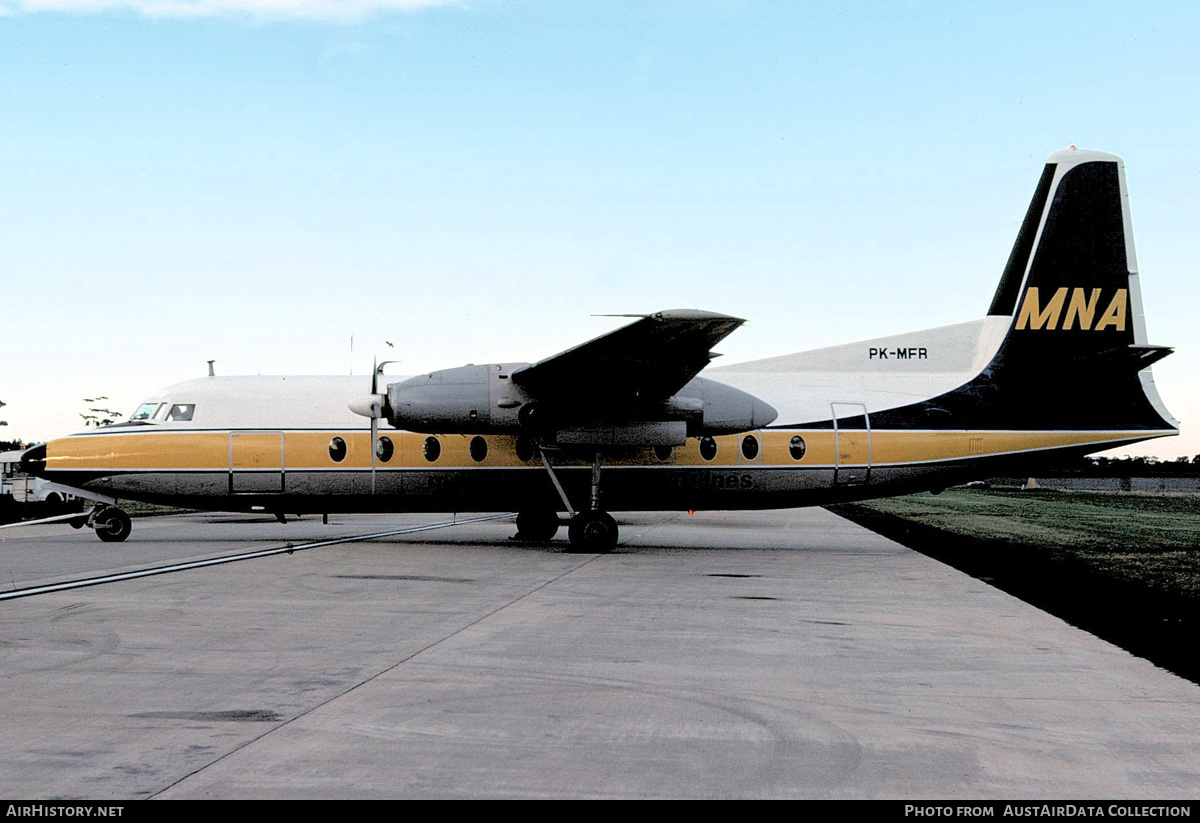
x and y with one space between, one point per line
591 531
537 525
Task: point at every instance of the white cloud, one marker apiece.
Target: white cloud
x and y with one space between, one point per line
259 9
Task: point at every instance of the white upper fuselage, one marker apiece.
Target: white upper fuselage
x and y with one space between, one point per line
883 373
266 402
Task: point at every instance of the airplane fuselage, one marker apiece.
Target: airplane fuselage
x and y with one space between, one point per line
624 422
333 467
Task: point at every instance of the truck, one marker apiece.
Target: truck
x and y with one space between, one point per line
22 495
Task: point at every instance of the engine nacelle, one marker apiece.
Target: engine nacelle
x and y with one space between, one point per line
724 409
469 399
484 399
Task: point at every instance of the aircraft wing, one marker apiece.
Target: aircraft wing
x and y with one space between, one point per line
649 359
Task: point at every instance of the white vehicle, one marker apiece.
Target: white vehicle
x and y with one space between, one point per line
25 488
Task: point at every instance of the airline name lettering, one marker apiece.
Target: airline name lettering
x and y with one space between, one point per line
1075 307
709 481
911 353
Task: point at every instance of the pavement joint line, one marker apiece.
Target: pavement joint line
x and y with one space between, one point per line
233 558
649 529
384 670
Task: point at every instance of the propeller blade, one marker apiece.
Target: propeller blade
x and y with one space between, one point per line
374 417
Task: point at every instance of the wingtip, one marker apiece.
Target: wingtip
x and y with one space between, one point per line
695 314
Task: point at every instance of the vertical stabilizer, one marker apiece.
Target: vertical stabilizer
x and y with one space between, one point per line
1075 355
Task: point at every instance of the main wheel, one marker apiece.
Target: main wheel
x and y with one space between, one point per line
593 531
537 525
112 525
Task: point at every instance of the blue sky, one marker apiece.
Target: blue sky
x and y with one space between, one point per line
256 182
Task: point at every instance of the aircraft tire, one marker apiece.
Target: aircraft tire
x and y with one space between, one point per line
113 526
593 531
537 525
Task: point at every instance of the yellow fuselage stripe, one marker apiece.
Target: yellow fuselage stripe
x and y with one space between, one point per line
310 450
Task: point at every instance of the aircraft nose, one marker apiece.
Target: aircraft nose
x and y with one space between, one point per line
33 460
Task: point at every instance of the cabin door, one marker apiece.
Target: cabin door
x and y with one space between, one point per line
851 444
255 462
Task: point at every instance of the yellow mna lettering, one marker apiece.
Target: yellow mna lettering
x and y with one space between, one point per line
1085 311
1114 315
1082 307
1033 316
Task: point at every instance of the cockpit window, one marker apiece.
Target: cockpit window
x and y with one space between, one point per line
144 412
181 411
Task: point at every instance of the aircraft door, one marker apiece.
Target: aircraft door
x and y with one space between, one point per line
852 444
255 462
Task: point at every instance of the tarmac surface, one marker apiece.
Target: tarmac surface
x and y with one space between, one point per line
737 654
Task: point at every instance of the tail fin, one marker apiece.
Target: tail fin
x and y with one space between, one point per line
1071 279
1075 355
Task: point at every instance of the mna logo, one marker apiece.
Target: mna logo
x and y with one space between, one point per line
1080 309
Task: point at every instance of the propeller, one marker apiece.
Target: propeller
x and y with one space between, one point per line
378 408
373 406
375 418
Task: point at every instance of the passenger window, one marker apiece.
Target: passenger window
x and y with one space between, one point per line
337 450
797 448
433 449
479 449
749 447
181 411
384 449
526 449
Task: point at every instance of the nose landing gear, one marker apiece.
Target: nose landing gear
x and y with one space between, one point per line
111 524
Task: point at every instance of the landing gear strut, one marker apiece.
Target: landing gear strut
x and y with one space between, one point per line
593 530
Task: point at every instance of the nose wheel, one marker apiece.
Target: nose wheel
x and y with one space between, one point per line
112 525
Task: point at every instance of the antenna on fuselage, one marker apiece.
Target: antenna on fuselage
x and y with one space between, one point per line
211 371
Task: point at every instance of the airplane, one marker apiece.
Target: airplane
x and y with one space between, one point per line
1058 367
